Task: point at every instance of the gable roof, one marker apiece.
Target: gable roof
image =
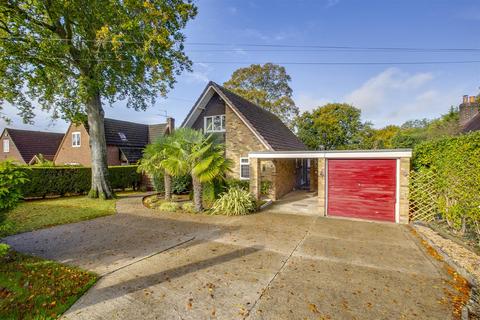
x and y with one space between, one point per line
30 143
130 134
473 124
270 130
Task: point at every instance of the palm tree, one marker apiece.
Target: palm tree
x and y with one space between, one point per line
191 152
151 162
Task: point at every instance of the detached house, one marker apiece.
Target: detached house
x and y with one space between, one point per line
25 146
469 111
371 184
245 127
125 142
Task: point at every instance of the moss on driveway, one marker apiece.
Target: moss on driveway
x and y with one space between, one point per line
38 214
34 288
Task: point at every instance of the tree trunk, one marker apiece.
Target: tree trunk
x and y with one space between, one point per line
167 181
197 194
100 184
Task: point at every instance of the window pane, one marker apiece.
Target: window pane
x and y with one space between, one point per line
6 145
245 171
223 122
208 124
217 123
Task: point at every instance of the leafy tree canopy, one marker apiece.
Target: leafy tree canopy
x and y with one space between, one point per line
267 86
59 53
332 126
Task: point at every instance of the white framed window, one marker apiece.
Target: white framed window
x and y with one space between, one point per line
6 145
122 136
244 168
214 123
76 139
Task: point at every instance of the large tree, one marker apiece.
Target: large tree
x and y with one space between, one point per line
71 56
267 86
332 126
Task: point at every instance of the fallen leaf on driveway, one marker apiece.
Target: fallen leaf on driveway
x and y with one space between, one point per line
313 308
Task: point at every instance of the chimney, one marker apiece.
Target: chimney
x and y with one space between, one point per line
170 124
465 99
472 99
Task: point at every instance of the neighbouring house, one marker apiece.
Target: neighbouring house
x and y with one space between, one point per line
469 114
26 146
370 184
125 142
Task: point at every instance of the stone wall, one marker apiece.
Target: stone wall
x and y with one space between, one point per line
239 142
404 199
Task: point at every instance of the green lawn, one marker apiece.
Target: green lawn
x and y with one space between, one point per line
32 215
34 288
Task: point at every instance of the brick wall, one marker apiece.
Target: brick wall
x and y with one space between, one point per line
284 177
13 153
239 142
67 154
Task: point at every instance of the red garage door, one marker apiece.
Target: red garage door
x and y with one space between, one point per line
362 189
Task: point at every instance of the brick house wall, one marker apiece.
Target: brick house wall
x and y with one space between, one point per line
67 154
284 177
13 153
239 142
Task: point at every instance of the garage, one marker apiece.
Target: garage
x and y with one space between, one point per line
361 184
362 188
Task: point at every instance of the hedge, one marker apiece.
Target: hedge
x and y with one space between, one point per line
454 164
50 181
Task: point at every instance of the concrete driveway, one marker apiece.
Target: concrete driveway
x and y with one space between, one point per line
265 266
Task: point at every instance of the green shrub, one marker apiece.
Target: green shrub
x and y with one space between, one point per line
49 181
169 206
188 207
4 249
235 202
181 184
455 167
12 178
237 183
265 187
158 183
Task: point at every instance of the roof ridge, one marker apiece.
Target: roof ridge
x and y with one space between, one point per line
33 131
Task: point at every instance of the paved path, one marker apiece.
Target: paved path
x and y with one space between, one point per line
263 266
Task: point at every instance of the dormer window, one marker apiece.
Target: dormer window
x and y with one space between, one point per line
122 136
214 123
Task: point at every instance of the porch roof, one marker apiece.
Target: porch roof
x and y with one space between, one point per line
338 154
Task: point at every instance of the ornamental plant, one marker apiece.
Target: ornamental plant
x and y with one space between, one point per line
11 180
235 202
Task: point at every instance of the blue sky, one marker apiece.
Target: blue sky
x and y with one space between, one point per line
386 94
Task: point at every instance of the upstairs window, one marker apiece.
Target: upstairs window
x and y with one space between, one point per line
76 139
214 123
244 168
6 145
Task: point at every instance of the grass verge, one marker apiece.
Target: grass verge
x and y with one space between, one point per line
34 288
38 214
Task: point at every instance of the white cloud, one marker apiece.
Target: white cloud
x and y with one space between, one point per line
373 94
200 73
306 102
331 3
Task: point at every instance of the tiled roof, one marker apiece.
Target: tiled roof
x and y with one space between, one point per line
267 125
30 143
132 154
130 134
473 124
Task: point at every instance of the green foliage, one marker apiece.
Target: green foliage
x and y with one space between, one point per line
333 126
48 181
55 54
188 207
4 249
42 162
235 202
265 187
12 178
169 206
454 162
237 183
268 87
181 184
